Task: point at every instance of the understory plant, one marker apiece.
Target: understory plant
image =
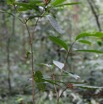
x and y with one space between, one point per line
61 77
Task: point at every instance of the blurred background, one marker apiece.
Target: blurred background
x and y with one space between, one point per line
15 69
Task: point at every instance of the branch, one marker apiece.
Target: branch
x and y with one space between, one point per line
95 14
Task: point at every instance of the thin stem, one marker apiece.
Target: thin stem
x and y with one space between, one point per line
32 54
95 14
3 11
8 66
63 70
57 94
55 88
66 60
63 92
32 63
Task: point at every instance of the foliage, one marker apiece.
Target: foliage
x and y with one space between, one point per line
55 69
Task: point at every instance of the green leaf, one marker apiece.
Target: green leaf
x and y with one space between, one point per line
85 42
92 51
59 42
35 1
57 2
47 65
99 43
54 23
51 81
10 1
56 82
73 75
38 77
22 4
97 34
32 17
87 86
41 86
22 9
28 54
66 4
19 100
26 6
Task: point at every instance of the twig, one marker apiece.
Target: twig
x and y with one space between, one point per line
32 54
3 11
55 88
68 52
63 70
95 14
63 92
32 62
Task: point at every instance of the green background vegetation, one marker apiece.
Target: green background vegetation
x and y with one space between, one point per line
55 44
